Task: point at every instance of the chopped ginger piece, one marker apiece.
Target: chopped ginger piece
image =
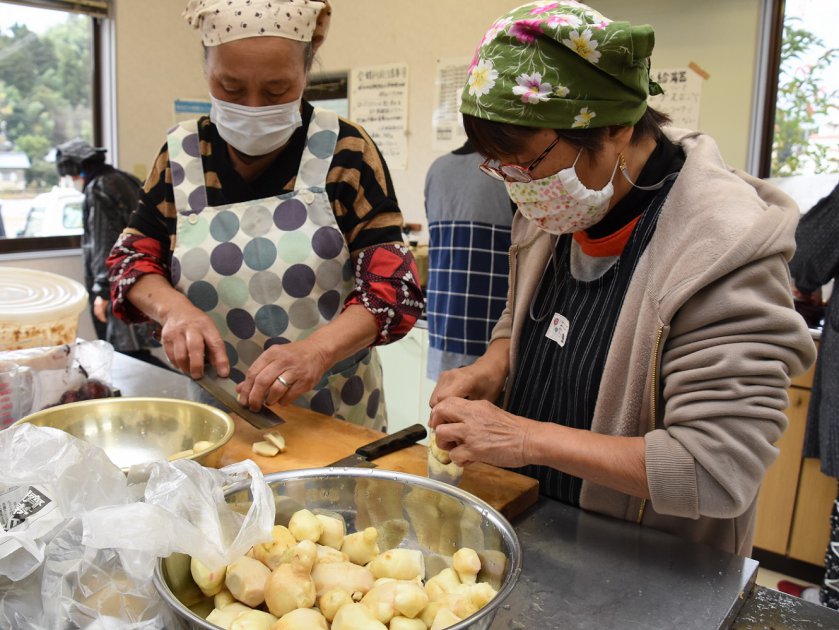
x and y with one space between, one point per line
277 440
266 449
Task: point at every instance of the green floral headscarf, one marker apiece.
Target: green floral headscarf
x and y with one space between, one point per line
561 65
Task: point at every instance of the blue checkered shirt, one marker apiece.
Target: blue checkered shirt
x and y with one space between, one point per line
468 266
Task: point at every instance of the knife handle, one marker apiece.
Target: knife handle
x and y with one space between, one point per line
393 442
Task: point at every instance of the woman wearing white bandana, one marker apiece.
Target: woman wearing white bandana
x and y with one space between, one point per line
267 241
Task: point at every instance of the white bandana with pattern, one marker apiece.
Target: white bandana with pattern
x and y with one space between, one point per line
222 21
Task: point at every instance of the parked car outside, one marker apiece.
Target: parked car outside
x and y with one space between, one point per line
55 213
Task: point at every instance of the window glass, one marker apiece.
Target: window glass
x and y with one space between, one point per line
72 216
46 88
806 131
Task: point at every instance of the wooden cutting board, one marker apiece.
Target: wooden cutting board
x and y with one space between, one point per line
314 440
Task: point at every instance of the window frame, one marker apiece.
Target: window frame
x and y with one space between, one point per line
767 87
770 43
99 12
93 8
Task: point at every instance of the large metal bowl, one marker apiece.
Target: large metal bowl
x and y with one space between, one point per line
138 430
409 511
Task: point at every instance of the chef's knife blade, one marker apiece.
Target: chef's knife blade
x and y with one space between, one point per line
217 387
388 444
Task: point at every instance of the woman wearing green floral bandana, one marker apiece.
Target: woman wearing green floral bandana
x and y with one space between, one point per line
642 361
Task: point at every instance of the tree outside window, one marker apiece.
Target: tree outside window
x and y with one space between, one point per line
806 133
46 87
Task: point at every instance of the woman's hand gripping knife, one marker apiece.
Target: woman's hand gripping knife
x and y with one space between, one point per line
189 337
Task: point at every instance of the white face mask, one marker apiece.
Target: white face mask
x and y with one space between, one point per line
78 183
255 130
560 203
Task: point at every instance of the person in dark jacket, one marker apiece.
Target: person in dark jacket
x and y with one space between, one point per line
816 262
110 196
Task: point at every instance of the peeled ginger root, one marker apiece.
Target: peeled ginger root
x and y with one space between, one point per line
399 564
346 575
246 580
271 553
223 617
253 620
330 554
333 531
446 590
389 598
290 585
305 583
404 623
361 547
210 582
440 465
439 454
301 619
356 617
305 526
223 598
446 581
444 619
332 600
467 564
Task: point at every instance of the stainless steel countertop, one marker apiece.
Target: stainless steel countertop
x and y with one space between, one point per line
583 570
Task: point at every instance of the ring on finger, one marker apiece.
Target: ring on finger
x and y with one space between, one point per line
283 382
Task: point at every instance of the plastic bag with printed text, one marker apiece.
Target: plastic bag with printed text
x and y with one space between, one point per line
79 540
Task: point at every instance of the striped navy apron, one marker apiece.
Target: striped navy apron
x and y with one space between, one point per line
564 344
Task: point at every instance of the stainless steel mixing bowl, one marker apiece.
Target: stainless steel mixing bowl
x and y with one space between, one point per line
409 511
137 430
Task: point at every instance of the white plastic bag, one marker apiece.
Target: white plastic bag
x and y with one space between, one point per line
59 370
184 511
47 476
80 550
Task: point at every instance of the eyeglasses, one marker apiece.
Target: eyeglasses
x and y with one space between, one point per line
514 172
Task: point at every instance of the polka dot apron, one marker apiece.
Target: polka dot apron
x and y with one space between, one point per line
272 271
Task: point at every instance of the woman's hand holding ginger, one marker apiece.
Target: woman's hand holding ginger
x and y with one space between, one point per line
478 431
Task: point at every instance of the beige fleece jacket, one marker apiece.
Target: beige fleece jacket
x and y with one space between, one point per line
704 348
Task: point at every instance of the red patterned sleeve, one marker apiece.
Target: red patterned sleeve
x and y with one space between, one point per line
387 285
133 256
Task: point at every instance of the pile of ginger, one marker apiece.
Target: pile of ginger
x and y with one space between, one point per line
312 575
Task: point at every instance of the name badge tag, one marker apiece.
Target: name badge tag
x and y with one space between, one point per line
558 329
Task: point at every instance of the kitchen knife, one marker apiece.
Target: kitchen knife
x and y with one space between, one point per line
218 388
388 444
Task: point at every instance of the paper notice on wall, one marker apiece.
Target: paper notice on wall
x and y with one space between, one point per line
338 105
682 95
446 121
191 108
379 103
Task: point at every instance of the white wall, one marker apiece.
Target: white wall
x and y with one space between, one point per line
159 59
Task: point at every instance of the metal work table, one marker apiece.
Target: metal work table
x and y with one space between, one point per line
583 570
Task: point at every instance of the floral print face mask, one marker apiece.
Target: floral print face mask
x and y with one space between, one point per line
561 203
561 65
